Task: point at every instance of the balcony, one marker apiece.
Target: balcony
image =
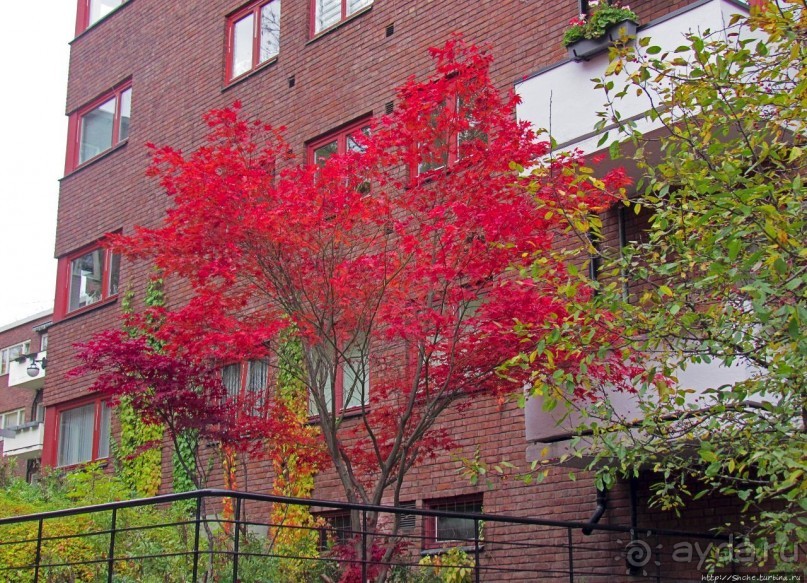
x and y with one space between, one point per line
562 97
18 375
549 433
24 441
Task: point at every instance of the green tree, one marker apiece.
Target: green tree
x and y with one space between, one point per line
720 276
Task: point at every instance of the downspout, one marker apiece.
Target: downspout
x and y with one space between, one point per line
602 504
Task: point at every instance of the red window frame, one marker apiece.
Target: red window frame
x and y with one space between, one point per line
74 126
254 9
431 538
340 136
343 15
53 419
109 286
83 15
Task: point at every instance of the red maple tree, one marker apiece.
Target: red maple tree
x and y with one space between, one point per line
403 265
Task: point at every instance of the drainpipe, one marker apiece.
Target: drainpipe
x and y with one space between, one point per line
602 504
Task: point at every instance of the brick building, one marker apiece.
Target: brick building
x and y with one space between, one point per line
143 71
23 345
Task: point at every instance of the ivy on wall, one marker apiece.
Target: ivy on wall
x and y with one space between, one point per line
138 452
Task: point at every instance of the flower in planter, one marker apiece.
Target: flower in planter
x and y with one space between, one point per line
602 17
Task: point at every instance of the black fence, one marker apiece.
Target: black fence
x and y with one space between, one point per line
188 537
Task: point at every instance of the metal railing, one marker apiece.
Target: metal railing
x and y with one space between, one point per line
187 537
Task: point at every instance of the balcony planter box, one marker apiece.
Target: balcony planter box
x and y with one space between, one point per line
586 48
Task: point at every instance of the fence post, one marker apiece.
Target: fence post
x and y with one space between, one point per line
110 570
237 539
477 568
363 546
196 538
571 554
38 558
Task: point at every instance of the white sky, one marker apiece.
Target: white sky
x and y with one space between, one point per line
34 61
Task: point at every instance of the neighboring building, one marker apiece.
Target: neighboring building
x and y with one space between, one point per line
145 71
23 362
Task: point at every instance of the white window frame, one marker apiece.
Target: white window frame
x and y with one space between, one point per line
7 420
6 355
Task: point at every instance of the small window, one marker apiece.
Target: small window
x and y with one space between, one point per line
91 11
10 353
338 142
253 37
43 342
247 383
99 126
83 433
441 530
338 529
12 419
86 278
328 13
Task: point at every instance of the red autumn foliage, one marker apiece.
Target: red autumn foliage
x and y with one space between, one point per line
416 286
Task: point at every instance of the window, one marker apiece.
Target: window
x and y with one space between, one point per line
86 278
12 353
338 142
444 529
83 433
327 13
447 146
102 124
247 383
253 37
43 342
352 387
338 529
91 11
12 419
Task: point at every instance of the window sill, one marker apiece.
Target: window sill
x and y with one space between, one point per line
441 550
81 311
106 153
100 20
347 414
103 463
244 76
340 24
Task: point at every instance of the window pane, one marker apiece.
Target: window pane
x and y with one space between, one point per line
324 152
114 274
104 430
352 144
356 5
448 529
242 45
258 375
355 380
96 130
18 350
75 435
231 377
100 8
125 114
434 155
328 13
86 279
270 31
43 342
